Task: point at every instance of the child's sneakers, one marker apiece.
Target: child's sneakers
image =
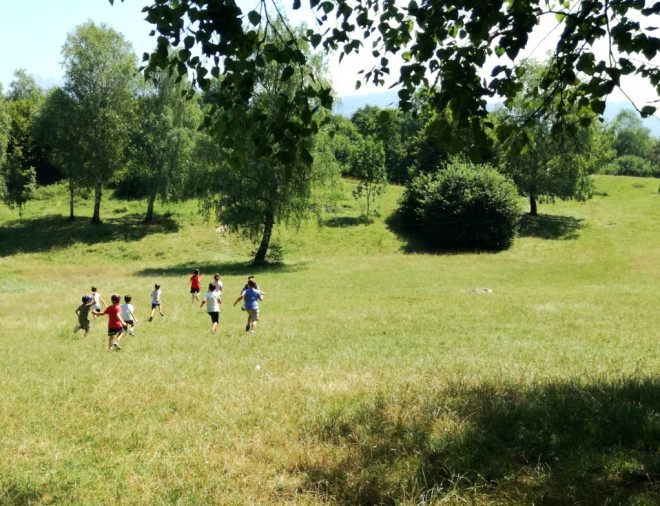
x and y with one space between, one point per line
131 332
116 345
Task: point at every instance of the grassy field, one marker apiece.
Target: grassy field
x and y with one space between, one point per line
379 374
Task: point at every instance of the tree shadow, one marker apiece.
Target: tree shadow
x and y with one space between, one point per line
346 221
416 243
551 227
553 444
224 269
56 232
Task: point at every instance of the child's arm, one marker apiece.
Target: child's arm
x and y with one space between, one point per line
135 320
240 298
77 311
202 304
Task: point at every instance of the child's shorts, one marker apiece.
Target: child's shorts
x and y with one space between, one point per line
86 326
194 290
115 332
253 314
128 322
214 316
154 306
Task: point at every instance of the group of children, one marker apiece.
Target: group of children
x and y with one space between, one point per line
121 317
251 295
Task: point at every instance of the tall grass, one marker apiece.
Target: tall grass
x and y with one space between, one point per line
378 375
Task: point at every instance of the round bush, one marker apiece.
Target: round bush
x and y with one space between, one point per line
463 207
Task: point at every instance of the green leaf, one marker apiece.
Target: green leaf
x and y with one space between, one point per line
287 73
647 110
254 17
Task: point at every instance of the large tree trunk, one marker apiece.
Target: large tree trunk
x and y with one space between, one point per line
150 209
72 194
98 187
533 211
260 257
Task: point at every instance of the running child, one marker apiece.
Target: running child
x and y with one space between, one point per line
212 299
96 296
195 286
115 323
155 301
83 315
252 296
128 314
217 284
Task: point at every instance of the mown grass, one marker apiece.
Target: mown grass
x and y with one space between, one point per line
377 376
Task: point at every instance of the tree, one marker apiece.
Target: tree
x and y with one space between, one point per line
5 126
395 129
631 136
443 46
59 130
549 161
24 98
368 165
265 177
100 73
163 139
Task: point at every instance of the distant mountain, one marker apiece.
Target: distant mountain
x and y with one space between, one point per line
347 105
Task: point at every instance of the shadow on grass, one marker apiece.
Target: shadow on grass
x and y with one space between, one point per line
553 444
546 226
347 221
54 232
224 269
416 243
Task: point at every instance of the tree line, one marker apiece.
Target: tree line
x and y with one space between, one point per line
257 161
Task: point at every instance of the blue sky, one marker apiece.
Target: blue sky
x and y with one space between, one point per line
32 32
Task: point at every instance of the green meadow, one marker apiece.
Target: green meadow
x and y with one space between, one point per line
380 373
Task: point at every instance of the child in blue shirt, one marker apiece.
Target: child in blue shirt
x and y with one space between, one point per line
251 295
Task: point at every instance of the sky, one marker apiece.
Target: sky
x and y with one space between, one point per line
32 33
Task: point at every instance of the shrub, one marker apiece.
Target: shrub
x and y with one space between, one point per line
463 207
633 165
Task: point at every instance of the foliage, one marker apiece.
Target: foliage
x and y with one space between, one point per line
162 140
395 130
631 165
443 46
462 207
57 129
368 165
548 161
631 137
100 73
263 179
5 128
20 183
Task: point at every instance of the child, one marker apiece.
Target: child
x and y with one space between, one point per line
252 296
212 299
83 315
116 325
194 286
256 287
96 296
127 314
155 301
217 284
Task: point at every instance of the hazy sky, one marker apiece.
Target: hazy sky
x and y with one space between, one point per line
32 33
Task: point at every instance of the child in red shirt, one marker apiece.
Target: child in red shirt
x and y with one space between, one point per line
115 323
195 286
